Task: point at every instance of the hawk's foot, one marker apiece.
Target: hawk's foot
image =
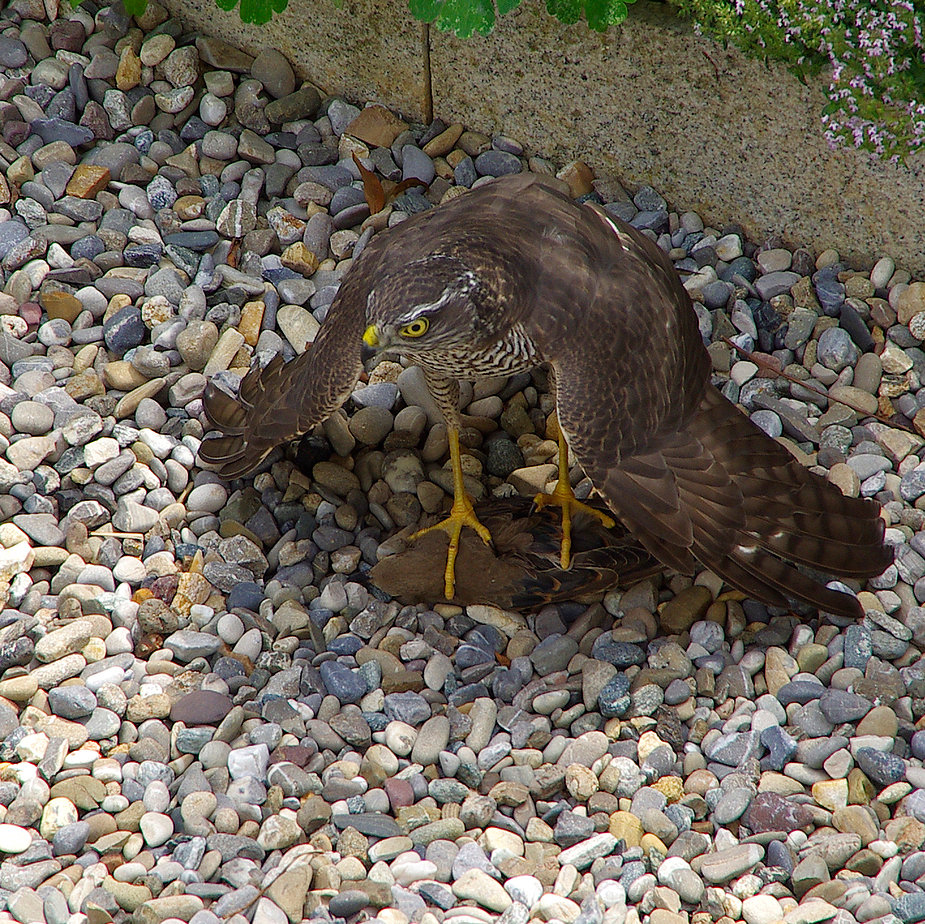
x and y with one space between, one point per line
461 515
563 496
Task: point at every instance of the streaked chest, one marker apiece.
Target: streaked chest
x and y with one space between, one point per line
515 352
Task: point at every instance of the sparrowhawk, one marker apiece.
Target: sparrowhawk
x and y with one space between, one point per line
514 274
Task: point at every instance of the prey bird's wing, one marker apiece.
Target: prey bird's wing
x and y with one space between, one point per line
522 569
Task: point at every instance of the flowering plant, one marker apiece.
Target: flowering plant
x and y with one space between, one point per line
873 49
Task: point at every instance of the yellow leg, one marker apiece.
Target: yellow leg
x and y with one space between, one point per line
461 515
563 496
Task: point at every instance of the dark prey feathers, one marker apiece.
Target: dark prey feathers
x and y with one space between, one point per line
521 570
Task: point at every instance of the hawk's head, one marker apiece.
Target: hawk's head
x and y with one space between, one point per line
430 304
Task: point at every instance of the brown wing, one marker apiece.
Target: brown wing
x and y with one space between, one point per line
284 400
723 494
692 477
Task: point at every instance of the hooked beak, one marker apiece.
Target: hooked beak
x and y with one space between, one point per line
370 342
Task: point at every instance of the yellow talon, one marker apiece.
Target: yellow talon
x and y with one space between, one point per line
461 514
563 496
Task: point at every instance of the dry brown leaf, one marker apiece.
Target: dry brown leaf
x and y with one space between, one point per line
378 194
372 188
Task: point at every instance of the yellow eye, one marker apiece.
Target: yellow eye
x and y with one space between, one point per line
416 328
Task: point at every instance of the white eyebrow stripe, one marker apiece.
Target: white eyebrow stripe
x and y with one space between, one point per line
466 282
426 308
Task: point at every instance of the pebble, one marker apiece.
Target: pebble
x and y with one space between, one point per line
478 886
14 839
730 862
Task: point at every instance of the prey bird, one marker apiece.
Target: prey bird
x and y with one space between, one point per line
523 568
514 274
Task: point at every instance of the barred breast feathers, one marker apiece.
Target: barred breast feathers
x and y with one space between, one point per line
514 353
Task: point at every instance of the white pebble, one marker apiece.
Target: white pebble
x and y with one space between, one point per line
762 909
230 628
159 443
177 474
129 872
742 371
31 748
56 814
156 797
14 839
409 871
212 110
156 828
400 738
130 569
885 849
249 761
119 641
100 451
882 272
208 497
525 889
612 896
114 675
250 644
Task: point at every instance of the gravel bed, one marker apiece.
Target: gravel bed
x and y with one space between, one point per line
208 714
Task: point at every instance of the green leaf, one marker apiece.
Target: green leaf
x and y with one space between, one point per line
603 13
461 16
567 11
132 7
599 13
425 10
467 16
258 12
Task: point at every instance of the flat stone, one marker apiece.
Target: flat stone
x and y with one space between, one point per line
201 707
481 888
730 862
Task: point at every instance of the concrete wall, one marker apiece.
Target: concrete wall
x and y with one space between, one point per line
648 102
